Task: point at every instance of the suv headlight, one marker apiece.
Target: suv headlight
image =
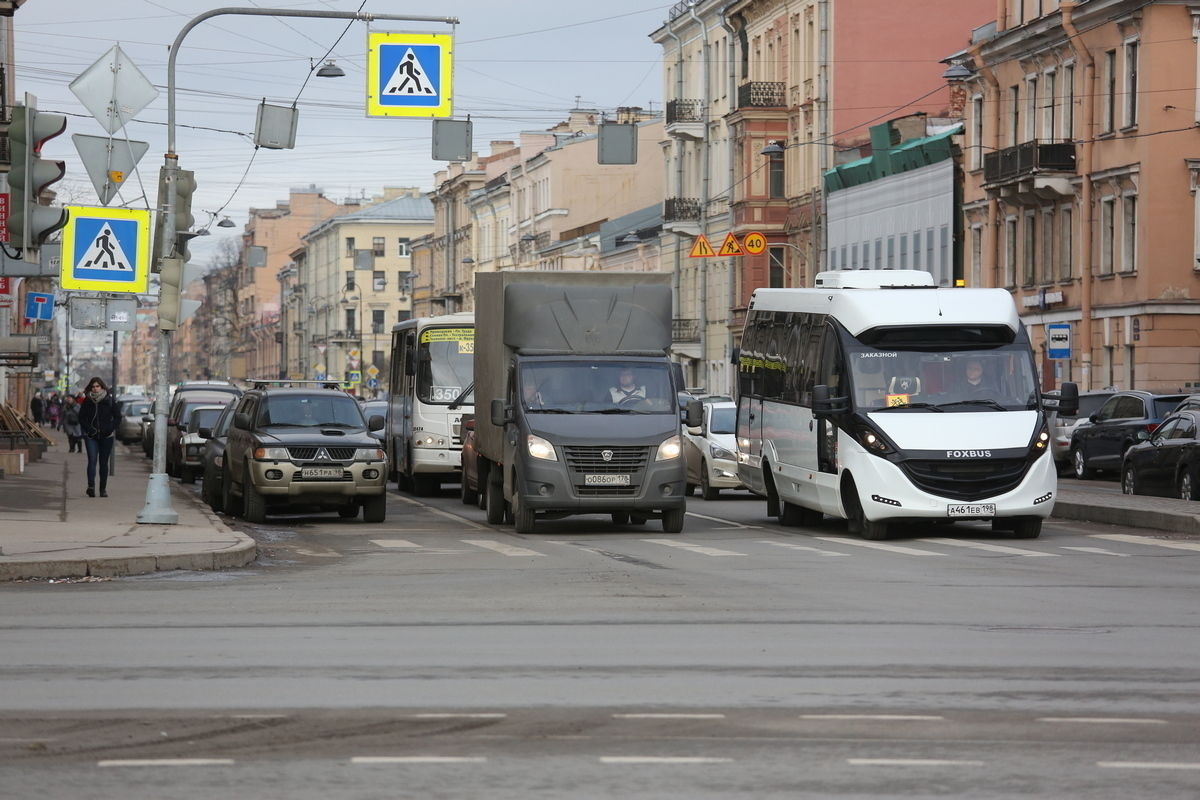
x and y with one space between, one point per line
540 448
369 454
430 440
669 449
721 452
272 454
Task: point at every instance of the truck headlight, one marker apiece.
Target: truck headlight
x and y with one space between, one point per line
369 454
720 452
429 440
272 454
669 449
540 448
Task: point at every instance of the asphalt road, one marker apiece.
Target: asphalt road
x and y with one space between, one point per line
437 656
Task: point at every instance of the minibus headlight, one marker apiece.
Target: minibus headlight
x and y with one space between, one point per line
873 441
1041 440
540 448
669 449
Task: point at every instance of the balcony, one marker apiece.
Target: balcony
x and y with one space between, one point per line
762 94
1031 169
344 336
685 330
685 119
682 215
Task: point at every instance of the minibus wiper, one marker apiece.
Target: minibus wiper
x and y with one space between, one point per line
927 406
982 402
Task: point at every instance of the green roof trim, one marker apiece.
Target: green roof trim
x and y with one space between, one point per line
913 154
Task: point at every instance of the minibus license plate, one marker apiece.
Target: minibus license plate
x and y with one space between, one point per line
605 480
971 510
321 472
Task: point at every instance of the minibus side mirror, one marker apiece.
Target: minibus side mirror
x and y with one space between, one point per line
1068 399
694 417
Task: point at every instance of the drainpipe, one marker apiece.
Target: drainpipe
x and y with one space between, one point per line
704 191
823 130
1084 165
676 148
730 181
991 247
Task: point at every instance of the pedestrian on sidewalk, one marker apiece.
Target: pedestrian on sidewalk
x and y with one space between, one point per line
71 425
53 411
36 406
98 418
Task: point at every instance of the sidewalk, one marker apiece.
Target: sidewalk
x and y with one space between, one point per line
50 529
1135 511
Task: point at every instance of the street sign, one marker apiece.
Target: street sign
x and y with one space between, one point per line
39 305
103 313
106 250
730 246
4 204
108 161
372 371
755 243
372 383
113 89
701 248
353 376
409 74
1058 337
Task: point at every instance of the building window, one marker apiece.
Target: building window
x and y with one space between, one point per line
879 254
379 360
350 246
377 245
775 188
976 132
349 280
1014 116
1110 90
1029 250
946 266
1050 106
350 321
776 268
904 251
1129 233
1131 83
976 255
377 322
1066 239
1107 207
917 250
1031 108
930 265
378 280
1048 270
1068 89
403 250
1010 251
891 251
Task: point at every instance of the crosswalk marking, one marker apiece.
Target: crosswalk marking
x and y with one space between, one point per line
911 762
165 762
1100 551
892 548
1147 765
877 717
503 549
694 548
991 548
791 546
1107 720
1125 537
728 522
668 716
394 543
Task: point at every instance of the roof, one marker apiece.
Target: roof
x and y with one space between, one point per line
909 155
398 209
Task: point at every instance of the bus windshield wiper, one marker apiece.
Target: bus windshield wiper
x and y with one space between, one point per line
903 406
458 400
982 402
548 411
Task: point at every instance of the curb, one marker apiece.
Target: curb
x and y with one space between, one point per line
1174 522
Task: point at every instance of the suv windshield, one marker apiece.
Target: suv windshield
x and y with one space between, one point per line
445 364
604 387
312 411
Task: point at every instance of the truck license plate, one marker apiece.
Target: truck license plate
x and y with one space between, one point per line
605 480
971 510
321 472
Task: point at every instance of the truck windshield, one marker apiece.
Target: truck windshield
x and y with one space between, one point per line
945 373
445 364
596 387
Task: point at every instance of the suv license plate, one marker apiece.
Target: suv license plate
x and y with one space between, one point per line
321 472
971 510
605 480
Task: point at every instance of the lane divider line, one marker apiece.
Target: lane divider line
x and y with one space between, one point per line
668 716
791 546
502 549
394 543
1106 720
912 762
694 548
418 760
663 760
457 715
441 513
1125 537
1147 765
728 522
1099 551
877 717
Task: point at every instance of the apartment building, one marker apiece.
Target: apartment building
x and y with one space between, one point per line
1080 193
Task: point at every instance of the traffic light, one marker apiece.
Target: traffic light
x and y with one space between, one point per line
170 284
29 222
185 187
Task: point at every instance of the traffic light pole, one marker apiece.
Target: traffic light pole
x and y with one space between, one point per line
158 508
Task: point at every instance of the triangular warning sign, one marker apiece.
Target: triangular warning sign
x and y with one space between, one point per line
701 248
730 246
105 253
410 78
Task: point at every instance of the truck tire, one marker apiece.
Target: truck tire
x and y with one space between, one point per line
425 485
255 506
495 503
374 508
524 519
672 520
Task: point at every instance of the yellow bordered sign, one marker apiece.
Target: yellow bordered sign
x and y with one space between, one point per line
106 250
755 243
701 248
410 74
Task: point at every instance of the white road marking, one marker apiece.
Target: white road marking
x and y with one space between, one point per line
451 715
253 716
22 740
418 760
663 760
791 546
668 716
880 717
1124 537
911 762
1147 765
394 543
1100 551
501 548
991 548
694 548
318 553
165 762
892 548
1107 720
728 522
439 512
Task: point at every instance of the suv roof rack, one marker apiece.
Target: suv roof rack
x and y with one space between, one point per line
263 383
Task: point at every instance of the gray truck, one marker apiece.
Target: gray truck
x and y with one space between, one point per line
582 398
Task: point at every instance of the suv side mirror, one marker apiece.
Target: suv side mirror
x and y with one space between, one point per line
826 407
241 421
1068 399
502 414
694 414
376 422
204 433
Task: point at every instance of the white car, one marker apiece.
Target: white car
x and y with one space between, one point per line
711 450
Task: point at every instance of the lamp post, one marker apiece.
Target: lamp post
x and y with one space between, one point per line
158 508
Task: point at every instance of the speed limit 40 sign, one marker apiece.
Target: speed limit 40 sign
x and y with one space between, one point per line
754 243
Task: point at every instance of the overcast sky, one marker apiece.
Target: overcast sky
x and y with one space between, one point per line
519 66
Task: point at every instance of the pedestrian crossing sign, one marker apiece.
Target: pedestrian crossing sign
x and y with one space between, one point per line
106 250
409 74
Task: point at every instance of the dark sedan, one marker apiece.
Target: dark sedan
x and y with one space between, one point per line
1168 462
214 452
1101 441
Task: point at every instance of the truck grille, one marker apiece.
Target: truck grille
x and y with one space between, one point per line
606 491
590 460
966 479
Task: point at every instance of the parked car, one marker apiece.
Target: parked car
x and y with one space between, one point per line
180 413
303 447
1062 426
214 451
1100 442
1167 463
191 445
471 494
175 391
129 428
147 428
711 450
1189 403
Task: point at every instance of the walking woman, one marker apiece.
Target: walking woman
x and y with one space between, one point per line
71 425
98 419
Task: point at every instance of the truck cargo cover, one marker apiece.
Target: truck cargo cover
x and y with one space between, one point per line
581 320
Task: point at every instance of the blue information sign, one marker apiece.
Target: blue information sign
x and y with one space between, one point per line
1058 341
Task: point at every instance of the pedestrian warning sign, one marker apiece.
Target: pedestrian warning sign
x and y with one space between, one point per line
409 74
701 248
106 250
730 246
